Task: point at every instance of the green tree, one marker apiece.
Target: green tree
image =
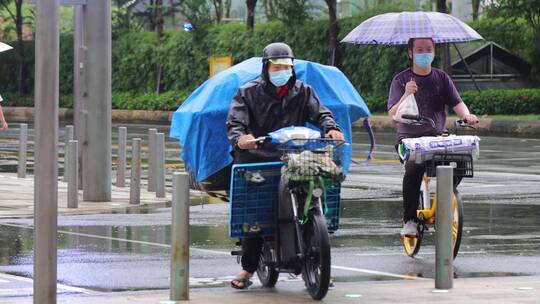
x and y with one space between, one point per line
218 9
333 30
270 9
18 19
528 10
197 12
293 12
250 20
475 8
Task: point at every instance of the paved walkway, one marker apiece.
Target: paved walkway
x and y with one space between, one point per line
17 198
469 290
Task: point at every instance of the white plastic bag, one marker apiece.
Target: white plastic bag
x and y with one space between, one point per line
408 107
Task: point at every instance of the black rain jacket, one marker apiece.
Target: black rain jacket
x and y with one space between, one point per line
257 109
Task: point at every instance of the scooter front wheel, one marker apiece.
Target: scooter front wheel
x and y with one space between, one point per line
316 266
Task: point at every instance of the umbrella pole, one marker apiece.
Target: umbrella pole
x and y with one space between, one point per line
466 67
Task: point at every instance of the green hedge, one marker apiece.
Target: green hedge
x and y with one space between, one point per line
492 102
184 56
167 101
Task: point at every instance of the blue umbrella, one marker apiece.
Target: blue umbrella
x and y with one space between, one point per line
398 28
199 123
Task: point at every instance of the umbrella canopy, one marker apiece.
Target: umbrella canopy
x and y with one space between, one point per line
398 28
199 123
4 47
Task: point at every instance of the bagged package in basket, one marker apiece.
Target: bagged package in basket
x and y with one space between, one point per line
422 148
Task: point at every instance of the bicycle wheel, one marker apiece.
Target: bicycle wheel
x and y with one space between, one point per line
316 266
457 222
412 244
268 275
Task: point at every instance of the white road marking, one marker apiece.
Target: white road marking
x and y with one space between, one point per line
60 286
388 274
219 252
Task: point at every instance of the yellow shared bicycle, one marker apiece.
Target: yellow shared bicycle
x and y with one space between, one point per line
446 150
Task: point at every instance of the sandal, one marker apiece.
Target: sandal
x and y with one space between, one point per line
240 279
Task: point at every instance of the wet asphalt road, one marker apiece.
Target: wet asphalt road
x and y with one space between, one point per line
129 251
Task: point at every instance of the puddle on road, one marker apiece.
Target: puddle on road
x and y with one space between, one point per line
365 226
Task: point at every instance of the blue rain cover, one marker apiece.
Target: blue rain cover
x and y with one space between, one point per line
199 123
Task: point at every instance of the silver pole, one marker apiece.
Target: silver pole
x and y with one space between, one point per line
135 185
72 174
46 151
23 142
83 143
121 158
180 238
160 165
443 246
67 138
97 159
152 159
79 84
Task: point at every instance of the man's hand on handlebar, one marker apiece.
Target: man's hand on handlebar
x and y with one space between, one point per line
470 119
247 142
335 134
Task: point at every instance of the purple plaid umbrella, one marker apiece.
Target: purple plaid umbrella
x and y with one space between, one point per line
398 28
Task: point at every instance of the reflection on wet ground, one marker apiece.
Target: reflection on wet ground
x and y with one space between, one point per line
499 240
128 250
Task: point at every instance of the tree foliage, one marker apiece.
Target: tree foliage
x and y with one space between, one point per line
528 10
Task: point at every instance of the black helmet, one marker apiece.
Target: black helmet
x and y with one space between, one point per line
277 50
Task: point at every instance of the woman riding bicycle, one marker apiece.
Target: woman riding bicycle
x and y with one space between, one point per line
433 90
274 100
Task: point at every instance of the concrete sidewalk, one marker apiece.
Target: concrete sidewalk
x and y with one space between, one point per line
467 290
17 198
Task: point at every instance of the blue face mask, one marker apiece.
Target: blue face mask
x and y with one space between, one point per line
280 78
423 60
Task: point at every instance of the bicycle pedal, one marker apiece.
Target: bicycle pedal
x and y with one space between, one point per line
237 252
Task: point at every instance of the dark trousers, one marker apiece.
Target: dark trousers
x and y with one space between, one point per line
412 180
251 248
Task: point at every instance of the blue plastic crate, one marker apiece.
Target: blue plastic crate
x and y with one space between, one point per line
252 206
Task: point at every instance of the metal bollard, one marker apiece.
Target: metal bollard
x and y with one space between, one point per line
73 174
443 246
159 163
135 185
121 163
180 238
67 138
151 159
23 143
